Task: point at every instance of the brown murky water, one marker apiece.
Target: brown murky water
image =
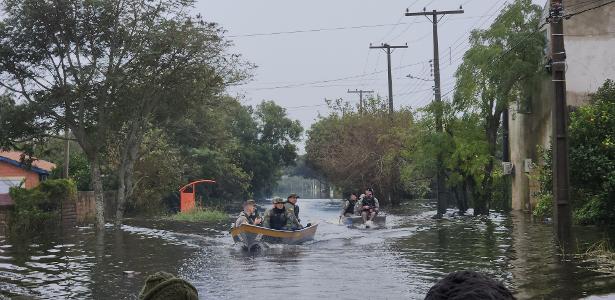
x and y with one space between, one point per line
401 261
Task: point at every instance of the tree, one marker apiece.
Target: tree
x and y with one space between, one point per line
273 149
501 62
592 157
103 69
355 151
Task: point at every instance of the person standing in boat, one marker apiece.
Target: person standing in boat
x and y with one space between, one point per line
278 217
369 206
350 206
249 215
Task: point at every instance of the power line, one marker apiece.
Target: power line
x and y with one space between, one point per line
316 30
332 80
334 28
496 59
570 15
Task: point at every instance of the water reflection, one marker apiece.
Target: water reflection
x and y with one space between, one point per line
400 261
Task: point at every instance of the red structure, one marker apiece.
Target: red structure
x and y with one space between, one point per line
186 194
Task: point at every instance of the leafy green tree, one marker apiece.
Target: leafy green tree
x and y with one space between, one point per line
104 69
501 61
273 149
592 157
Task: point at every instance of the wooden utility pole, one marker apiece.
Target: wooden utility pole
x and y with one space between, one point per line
360 92
561 193
437 95
388 51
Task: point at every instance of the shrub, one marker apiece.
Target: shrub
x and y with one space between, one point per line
39 208
544 206
201 215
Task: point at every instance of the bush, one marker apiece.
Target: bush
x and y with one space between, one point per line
544 206
39 208
201 215
592 161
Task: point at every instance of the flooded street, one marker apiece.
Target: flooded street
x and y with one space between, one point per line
401 261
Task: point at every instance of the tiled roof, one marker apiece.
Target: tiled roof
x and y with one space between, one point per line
38 163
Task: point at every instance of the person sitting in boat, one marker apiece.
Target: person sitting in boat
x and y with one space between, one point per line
369 206
350 206
249 215
291 204
278 217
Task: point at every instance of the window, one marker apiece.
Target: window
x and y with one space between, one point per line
7 182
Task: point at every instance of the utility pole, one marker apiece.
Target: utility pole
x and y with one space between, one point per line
561 181
388 51
360 92
506 156
437 94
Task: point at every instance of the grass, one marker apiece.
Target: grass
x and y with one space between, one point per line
209 215
603 255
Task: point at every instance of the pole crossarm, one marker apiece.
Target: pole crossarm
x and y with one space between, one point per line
434 13
387 46
360 92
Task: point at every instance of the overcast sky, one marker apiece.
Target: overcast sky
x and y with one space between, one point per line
299 70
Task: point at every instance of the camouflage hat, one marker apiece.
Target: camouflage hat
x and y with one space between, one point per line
293 195
250 202
277 200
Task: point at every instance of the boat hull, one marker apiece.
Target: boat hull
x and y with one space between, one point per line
250 235
358 220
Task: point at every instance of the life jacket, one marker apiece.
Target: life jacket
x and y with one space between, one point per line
350 208
277 219
369 202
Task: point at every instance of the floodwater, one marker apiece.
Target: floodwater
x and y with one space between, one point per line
399 261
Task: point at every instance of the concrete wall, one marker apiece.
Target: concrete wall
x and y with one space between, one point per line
590 50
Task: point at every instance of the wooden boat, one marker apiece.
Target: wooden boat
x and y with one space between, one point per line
250 235
357 220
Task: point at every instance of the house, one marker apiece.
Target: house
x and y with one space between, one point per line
15 173
589 40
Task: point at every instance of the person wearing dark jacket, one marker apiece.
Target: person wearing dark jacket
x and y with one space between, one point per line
350 208
278 217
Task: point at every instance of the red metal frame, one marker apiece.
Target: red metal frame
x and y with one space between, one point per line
186 199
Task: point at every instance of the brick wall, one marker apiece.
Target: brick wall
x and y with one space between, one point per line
8 170
83 209
4 219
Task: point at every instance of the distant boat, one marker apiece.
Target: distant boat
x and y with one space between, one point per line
358 220
249 235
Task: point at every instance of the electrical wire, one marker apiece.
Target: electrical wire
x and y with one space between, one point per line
570 15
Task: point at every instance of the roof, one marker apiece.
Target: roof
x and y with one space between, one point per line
38 165
5 200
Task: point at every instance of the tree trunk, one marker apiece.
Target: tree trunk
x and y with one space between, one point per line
481 206
98 193
460 194
126 171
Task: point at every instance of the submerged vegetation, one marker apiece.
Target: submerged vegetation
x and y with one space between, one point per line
147 110
209 215
397 153
39 208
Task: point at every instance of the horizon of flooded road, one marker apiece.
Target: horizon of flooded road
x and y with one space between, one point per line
399 261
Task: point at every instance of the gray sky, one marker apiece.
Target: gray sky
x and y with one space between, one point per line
300 70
